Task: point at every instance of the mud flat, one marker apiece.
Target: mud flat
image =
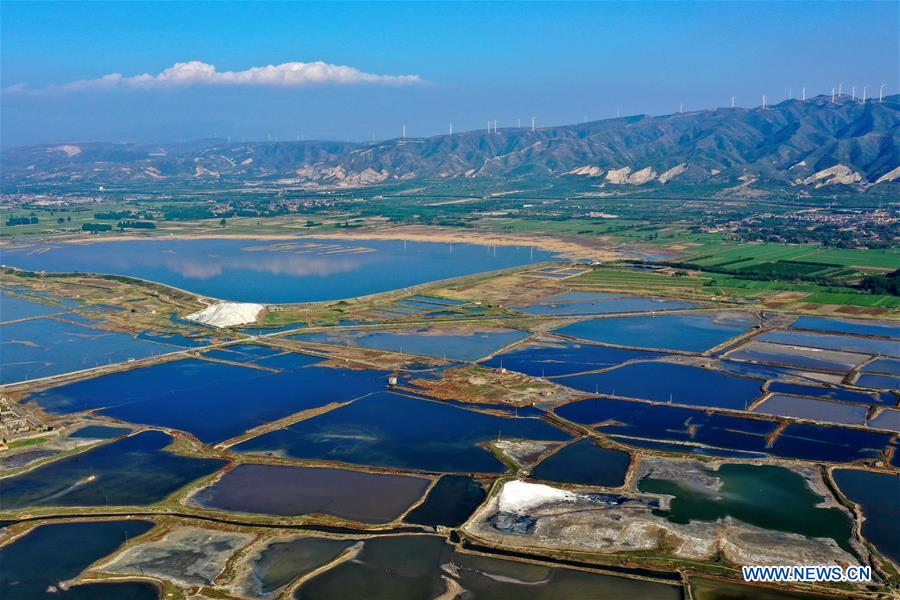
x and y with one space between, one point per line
185 555
294 491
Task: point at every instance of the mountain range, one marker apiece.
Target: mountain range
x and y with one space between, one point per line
811 143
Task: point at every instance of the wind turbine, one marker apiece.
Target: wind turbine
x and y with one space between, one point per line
404 132
840 89
804 94
532 124
853 96
764 105
732 102
451 127
881 93
865 89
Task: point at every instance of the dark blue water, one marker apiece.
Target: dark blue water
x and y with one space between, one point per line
879 382
672 423
803 358
214 401
99 432
844 326
391 430
132 471
693 333
585 463
449 503
877 495
300 270
688 449
44 347
663 382
52 553
563 358
454 344
243 352
832 444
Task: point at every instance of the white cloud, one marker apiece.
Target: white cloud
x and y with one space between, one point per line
195 73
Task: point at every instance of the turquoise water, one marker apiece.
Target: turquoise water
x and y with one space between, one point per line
299 270
766 496
214 401
465 345
392 430
43 347
52 553
585 463
693 333
877 495
131 471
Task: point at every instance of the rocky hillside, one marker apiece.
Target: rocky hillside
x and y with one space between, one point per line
814 143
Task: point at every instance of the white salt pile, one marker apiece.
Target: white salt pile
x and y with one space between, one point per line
227 314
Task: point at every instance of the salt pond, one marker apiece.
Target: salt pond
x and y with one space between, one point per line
833 341
812 409
846 326
393 430
282 561
33 565
877 495
669 382
212 400
298 270
295 491
449 503
453 343
582 303
686 332
555 356
13 308
43 347
131 471
585 463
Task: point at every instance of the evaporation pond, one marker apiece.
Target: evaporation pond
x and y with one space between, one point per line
449 503
766 496
392 430
52 553
298 270
212 400
459 343
834 341
585 463
13 308
132 471
552 357
877 495
281 562
581 303
853 327
689 332
827 411
43 347
665 382
295 491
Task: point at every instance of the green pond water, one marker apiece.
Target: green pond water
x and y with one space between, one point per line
765 496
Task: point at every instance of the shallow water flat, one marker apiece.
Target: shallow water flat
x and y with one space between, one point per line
393 430
888 419
13 308
585 463
878 381
52 553
132 471
686 332
562 357
214 401
295 491
834 393
876 494
847 326
810 408
669 382
834 341
298 270
454 343
580 303
794 356
281 562
43 347
887 366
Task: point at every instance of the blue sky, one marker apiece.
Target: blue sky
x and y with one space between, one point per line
503 61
